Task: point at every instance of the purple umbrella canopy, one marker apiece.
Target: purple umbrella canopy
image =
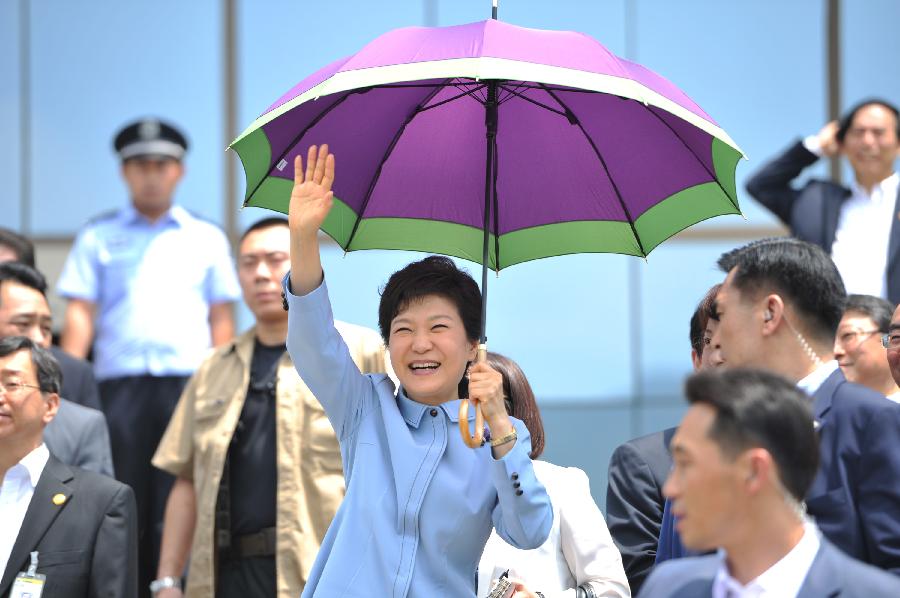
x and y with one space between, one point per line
590 152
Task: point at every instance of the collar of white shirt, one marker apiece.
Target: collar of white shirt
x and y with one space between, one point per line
33 463
811 383
784 578
886 190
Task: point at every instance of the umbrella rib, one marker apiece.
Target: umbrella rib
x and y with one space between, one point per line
535 102
496 207
384 159
456 97
290 145
693 153
574 120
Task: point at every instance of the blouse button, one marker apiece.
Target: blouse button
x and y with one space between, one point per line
433 412
519 493
514 476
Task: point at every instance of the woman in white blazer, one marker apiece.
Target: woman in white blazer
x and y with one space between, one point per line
579 559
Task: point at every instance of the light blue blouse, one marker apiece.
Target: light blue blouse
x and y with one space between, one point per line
420 504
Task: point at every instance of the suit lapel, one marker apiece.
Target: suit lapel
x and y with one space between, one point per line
42 511
831 211
824 394
894 243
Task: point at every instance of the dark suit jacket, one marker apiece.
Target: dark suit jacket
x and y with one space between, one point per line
812 212
78 436
87 545
832 574
634 500
855 497
78 382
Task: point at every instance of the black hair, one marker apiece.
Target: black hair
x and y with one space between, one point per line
264 223
46 367
755 408
800 272
847 120
706 311
20 244
878 309
24 275
434 275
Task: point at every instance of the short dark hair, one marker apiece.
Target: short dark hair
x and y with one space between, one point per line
520 400
756 408
45 365
847 120
20 244
800 272
434 275
24 275
706 311
879 310
264 223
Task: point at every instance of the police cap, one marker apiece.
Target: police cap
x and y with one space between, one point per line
150 137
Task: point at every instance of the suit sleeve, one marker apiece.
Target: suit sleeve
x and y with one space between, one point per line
634 509
771 185
879 487
589 550
94 453
114 562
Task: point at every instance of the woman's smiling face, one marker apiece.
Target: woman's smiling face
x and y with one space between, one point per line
429 349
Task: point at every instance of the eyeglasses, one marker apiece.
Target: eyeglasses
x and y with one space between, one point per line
891 341
14 388
846 338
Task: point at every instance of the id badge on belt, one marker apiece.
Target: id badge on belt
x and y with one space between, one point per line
29 584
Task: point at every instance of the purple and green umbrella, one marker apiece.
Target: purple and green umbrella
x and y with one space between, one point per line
497 144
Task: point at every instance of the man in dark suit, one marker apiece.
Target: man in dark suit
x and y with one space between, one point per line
79 384
639 468
77 435
857 225
82 525
778 310
745 455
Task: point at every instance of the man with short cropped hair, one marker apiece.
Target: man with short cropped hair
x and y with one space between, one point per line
779 309
258 466
745 456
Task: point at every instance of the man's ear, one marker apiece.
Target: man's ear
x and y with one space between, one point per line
772 313
52 401
695 360
757 465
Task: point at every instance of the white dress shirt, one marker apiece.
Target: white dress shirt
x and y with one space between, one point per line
811 383
860 247
578 551
781 580
15 495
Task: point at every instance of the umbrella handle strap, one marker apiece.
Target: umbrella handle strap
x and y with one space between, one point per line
476 440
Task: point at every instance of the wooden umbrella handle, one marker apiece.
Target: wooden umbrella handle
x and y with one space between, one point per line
476 440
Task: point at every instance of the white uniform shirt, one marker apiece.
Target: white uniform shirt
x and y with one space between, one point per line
781 580
15 496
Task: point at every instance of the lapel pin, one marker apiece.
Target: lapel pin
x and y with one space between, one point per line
59 499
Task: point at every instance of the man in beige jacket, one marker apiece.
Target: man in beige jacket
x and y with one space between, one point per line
258 466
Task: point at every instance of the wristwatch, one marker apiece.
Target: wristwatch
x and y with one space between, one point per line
164 582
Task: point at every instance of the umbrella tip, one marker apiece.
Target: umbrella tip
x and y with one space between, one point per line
744 216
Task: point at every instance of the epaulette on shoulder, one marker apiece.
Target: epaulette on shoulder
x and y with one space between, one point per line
103 217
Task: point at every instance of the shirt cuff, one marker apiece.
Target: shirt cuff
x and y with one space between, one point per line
811 143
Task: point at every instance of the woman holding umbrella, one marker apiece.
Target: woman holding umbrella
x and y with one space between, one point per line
420 504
